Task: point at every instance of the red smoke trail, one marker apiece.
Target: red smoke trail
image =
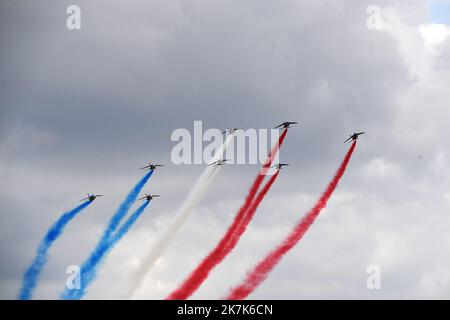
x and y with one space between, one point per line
256 276
228 242
201 272
240 229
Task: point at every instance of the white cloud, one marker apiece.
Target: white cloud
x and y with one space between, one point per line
382 168
434 34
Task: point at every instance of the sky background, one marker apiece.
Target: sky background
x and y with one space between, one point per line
81 111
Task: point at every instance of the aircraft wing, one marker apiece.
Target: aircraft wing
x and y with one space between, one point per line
279 126
348 140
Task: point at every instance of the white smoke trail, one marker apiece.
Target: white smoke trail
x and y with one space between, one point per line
200 188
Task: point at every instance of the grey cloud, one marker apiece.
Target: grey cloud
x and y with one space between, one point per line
81 111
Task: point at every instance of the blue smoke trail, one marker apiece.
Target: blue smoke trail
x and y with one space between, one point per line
32 274
89 267
123 209
112 226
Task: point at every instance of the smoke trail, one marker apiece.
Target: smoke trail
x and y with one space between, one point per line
260 272
221 249
124 208
257 183
89 267
32 274
224 247
200 188
112 226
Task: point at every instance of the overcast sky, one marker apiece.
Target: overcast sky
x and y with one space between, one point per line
82 110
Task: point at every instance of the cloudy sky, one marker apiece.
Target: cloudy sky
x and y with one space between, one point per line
82 110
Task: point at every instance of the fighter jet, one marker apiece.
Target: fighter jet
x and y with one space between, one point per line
219 162
231 130
285 124
149 197
152 166
354 136
92 197
279 166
